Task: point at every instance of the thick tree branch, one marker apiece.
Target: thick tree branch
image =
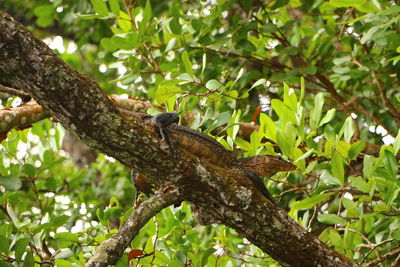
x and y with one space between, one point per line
31 112
112 249
218 195
21 117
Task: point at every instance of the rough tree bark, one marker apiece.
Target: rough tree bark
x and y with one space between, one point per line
217 195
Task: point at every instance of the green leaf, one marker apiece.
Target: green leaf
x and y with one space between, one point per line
368 36
147 14
396 234
43 10
345 3
347 129
305 155
60 220
206 255
124 22
269 28
123 261
328 117
368 166
164 92
175 26
188 64
63 253
234 124
213 84
221 119
51 184
279 3
100 7
10 182
302 88
106 43
343 148
396 143
29 170
290 50
203 67
289 97
389 11
360 184
63 263
4 244
390 162
243 144
87 16
337 167
258 82
351 208
114 6
284 112
331 219
67 236
308 203
20 247
29 260
126 41
355 149
367 7
268 126
336 239
48 157
316 112
45 14
381 208
285 146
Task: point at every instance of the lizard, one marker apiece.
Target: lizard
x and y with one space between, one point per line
208 149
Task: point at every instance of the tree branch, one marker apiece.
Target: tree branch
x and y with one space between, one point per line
112 249
13 92
217 194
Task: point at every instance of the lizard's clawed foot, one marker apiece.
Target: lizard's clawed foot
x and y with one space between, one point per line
161 121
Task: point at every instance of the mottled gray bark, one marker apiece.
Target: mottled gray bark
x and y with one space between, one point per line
217 195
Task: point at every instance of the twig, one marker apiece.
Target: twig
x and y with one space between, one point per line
13 92
155 240
385 101
383 257
373 247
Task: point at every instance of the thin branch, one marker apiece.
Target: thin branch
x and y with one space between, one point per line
395 113
13 92
155 240
373 247
388 255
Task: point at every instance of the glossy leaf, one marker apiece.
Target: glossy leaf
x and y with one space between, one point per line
10 182
187 63
316 112
100 7
337 167
147 13
310 202
331 219
328 117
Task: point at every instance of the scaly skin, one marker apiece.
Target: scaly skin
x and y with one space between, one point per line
209 150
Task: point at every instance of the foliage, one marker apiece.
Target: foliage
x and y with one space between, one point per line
324 73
